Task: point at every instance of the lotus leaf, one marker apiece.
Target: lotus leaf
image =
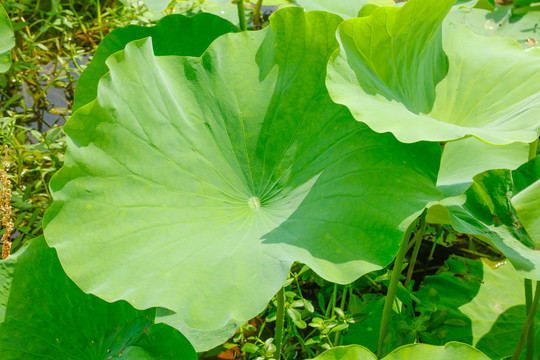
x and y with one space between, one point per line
44 315
523 28
228 10
7 40
527 206
488 213
392 73
488 300
463 159
157 5
345 8
193 184
451 351
190 37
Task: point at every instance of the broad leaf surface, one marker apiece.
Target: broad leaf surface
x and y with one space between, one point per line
463 159
488 213
392 73
345 8
191 37
450 351
489 301
228 10
366 331
44 315
157 5
527 206
193 184
7 40
501 23
200 339
173 35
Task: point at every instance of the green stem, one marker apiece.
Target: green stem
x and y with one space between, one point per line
280 318
342 307
528 284
391 295
241 15
332 304
417 242
257 20
528 305
528 323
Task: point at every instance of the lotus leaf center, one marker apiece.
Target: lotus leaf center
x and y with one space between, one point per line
254 203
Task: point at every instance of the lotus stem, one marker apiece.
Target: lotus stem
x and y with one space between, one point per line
280 318
257 16
391 295
528 282
528 322
5 205
530 334
417 240
241 15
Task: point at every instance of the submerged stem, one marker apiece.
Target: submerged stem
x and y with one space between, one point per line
241 15
528 322
391 295
280 318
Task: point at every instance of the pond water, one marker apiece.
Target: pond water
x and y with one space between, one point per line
45 98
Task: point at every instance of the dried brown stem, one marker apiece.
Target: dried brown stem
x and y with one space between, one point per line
5 206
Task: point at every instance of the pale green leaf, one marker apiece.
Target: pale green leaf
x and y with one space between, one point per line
193 184
527 205
392 73
157 5
451 351
501 22
173 35
345 8
465 158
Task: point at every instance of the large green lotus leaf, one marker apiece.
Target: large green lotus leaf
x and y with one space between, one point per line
349 352
193 184
228 10
500 22
7 40
345 8
527 206
451 351
173 35
485 87
488 213
191 38
463 159
44 315
157 5
201 340
489 301
267 2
